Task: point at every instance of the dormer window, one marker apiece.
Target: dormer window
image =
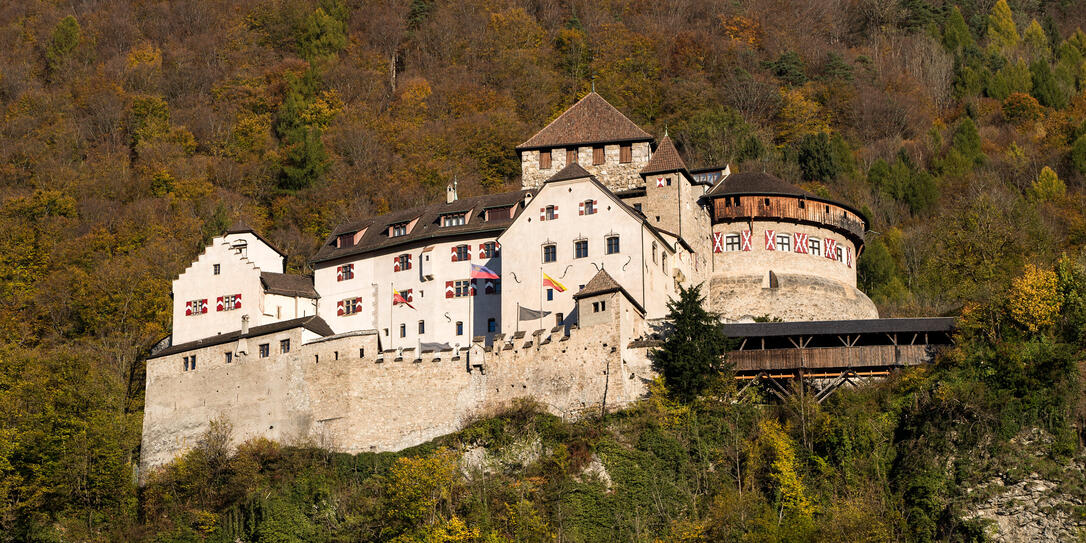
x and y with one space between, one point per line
240 248
453 219
345 240
396 230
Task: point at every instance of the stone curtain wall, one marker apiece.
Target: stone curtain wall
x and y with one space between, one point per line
358 404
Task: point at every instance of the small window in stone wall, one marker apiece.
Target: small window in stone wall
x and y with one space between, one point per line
229 357
284 346
545 160
597 155
731 242
625 153
571 156
265 350
814 247
784 242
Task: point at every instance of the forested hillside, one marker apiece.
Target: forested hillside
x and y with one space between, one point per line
134 131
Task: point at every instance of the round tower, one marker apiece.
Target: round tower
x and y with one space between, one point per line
782 252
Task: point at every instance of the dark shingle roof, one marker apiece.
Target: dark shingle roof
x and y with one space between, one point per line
603 283
312 323
860 326
428 226
665 159
757 183
288 285
571 171
591 120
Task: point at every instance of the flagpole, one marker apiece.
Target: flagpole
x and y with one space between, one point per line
540 298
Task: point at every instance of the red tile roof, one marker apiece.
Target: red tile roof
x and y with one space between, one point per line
589 121
665 159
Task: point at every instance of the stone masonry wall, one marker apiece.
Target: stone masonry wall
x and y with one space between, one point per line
612 173
338 393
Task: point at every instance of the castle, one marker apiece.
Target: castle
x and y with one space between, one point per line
415 321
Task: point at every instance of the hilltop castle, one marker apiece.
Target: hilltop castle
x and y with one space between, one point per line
416 320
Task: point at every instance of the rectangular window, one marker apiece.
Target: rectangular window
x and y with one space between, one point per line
265 350
459 328
455 219
549 213
612 245
625 153
404 261
731 242
422 327
284 346
589 207
345 240
398 230
571 156
403 330
669 181
461 288
196 307
186 366
597 155
599 306
231 302
490 249
545 160
352 306
837 252
463 252
784 242
491 325
229 357
345 272
361 352
559 318
215 269
550 294
814 246
580 248
550 253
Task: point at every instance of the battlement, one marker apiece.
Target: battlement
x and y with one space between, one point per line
344 393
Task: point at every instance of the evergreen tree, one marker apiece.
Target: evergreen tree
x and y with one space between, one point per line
956 35
692 356
789 68
305 161
837 68
1045 87
1078 154
816 158
966 140
322 36
1012 78
1036 41
66 36
1002 33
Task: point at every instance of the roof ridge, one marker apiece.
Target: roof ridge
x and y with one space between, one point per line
666 158
590 120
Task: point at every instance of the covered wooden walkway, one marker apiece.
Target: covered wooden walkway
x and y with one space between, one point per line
819 357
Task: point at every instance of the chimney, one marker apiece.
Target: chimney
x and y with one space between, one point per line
450 192
243 344
245 325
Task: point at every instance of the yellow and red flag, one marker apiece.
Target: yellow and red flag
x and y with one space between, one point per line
549 281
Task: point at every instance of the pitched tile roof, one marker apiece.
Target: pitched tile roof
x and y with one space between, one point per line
757 183
288 285
571 171
428 226
603 283
665 159
312 323
591 120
